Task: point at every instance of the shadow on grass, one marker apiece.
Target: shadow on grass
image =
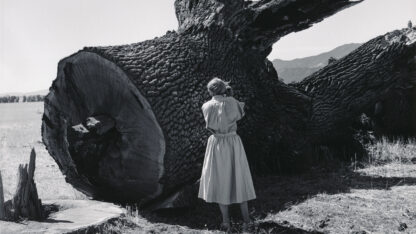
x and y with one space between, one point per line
50 209
55 221
275 194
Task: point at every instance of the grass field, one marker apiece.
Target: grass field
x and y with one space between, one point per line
376 197
20 130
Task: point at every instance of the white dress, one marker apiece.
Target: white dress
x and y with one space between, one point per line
225 175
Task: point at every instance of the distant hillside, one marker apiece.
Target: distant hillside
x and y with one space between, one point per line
297 69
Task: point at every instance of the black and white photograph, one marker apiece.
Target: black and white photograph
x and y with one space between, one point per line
208 116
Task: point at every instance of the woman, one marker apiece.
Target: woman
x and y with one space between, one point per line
226 177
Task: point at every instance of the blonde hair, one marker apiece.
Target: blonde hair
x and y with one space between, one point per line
216 86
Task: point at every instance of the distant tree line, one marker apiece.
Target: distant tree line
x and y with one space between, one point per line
28 98
7 99
33 98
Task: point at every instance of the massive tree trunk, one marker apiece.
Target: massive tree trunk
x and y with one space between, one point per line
124 122
376 79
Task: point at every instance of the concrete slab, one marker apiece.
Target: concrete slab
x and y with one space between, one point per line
73 215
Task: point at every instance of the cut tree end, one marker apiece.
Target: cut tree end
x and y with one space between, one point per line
102 132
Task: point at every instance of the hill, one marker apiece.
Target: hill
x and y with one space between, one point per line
297 69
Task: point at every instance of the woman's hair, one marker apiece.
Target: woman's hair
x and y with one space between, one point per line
217 86
230 91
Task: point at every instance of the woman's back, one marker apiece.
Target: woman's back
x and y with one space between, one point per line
222 113
225 177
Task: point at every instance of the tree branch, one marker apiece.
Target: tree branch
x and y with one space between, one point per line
262 23
362 82
203 14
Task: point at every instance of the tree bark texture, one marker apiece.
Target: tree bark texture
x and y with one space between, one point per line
149 94
377 79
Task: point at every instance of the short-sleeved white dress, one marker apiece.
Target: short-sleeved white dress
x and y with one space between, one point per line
226 176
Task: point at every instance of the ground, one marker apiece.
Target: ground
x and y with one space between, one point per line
67 216
20 130
371 196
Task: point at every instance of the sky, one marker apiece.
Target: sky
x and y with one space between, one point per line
358 23
36 34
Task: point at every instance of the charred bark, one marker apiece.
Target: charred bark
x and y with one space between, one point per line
377 79
152 93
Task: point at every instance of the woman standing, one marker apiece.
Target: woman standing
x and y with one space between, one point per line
226 177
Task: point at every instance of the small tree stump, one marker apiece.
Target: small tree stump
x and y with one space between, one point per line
26 203
2 211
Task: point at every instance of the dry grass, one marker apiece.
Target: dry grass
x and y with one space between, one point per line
386 151
391 159
369 210
133 222
20 130
378 197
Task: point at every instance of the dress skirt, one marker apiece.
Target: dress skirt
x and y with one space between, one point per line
226 176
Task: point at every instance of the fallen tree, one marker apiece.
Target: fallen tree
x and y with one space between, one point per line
376 79
124 122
